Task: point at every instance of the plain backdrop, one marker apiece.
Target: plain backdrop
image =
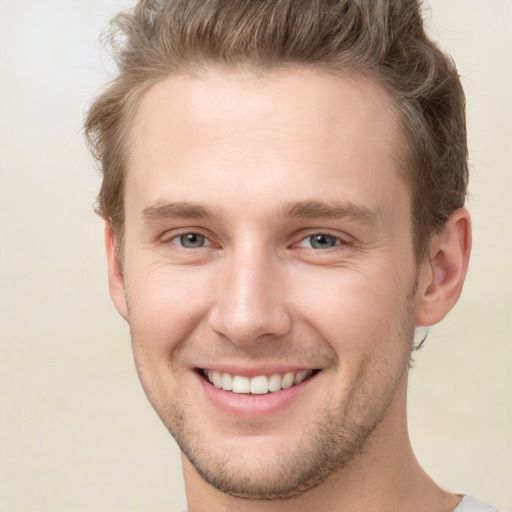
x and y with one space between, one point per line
76 432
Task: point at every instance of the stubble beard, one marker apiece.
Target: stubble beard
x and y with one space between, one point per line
335 438
327 451
333 441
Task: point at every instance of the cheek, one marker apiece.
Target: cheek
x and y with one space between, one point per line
164 307
359 313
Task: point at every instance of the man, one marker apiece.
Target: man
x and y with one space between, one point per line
283 190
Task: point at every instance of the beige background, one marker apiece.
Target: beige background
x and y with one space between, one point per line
76 432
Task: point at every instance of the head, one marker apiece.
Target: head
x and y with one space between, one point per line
282 191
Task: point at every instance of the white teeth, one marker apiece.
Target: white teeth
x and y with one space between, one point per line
241 384
288 380
259 385
227 382
300 376
274 382
217 379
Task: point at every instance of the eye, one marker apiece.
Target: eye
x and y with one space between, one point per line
320 241
191 240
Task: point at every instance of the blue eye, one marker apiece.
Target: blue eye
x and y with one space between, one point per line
191 240
320 241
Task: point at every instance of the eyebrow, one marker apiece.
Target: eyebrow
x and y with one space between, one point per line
177 209
331 210
298 210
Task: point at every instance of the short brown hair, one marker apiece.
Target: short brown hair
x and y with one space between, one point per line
382 39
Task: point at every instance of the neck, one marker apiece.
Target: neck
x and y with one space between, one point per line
384 477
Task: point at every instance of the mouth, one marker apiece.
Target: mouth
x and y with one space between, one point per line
257 385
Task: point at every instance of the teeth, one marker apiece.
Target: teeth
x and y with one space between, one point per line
259 385
227 382
241 384
217 379
274 382
300 376
288 380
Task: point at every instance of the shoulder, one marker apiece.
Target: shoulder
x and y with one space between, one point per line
470 504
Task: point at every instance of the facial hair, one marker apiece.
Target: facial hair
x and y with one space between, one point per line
333 441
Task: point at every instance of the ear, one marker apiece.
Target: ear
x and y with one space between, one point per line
115 273
442 274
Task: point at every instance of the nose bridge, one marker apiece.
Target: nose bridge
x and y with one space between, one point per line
250 300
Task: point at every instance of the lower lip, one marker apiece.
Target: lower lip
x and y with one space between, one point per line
249 405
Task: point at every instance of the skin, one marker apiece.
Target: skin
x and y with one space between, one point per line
258 165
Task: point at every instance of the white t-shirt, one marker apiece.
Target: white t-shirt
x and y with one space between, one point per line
470 504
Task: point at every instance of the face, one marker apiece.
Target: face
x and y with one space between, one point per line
269 272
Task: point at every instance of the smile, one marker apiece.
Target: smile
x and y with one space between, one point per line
259 385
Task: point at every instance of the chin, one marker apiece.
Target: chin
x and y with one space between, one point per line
270 468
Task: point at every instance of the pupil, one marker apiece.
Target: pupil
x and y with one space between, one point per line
322 241
191 240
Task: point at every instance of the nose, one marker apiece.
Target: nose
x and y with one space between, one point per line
251 300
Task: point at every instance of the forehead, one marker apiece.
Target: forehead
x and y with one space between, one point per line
222 136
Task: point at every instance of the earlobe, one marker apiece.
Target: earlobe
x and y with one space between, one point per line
442 275
115 273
